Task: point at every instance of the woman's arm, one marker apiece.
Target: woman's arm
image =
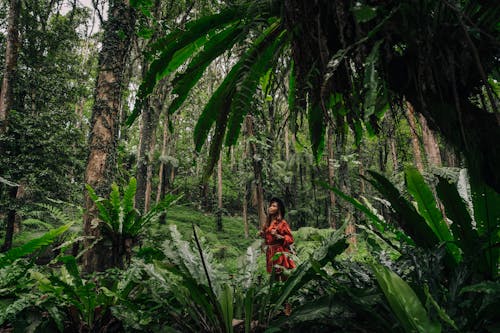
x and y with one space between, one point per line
285 233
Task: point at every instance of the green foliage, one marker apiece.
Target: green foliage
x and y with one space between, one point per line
121 221
10 256
404 302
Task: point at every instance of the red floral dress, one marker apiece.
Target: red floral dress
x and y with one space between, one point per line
275 245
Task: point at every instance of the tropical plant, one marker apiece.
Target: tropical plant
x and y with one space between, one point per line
349 62
455 258
122 222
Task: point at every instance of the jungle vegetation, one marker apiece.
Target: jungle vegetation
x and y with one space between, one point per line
140 141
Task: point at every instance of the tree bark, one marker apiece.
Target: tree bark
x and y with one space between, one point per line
11 56
410 112
431 145
257 169
331 179
219 193
149 119
101 162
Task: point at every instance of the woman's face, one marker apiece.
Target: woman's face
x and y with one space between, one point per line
273 208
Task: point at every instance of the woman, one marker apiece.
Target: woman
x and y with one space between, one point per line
278 238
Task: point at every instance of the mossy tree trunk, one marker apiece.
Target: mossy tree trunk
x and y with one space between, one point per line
101 162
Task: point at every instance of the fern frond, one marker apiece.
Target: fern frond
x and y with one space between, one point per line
37 224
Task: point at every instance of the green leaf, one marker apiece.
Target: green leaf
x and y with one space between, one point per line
32 246
215 46
364 13
317 130
371 82
177 47
404 302
259 60
410 220
427 207
456 211
226 304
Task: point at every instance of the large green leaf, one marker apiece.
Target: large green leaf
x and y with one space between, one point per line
409 219
258 62
216 45
178 47
456 211
486 203
404 302
32 246
427 207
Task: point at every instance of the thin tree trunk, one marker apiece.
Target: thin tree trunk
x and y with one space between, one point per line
219 193
287 144
162 175
10 222
257 169
331 179
394 155
410 112
101 163
11 56
144 172
431 145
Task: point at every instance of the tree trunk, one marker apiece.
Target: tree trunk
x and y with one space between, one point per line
331 179
101 163
11 220
147 139
410 112
219 193
431 145
163 178
11 56
257 169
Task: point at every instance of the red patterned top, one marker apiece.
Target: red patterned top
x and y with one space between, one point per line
277 244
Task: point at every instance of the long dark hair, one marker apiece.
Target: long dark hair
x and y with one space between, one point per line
281 208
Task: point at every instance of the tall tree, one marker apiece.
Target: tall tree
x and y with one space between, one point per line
101 163
415 142
11 56
430 142
331 178
257 170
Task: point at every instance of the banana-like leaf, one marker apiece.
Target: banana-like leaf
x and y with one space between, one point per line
177 50
404 302
216 45
427 207
410 220
260 59
32 246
